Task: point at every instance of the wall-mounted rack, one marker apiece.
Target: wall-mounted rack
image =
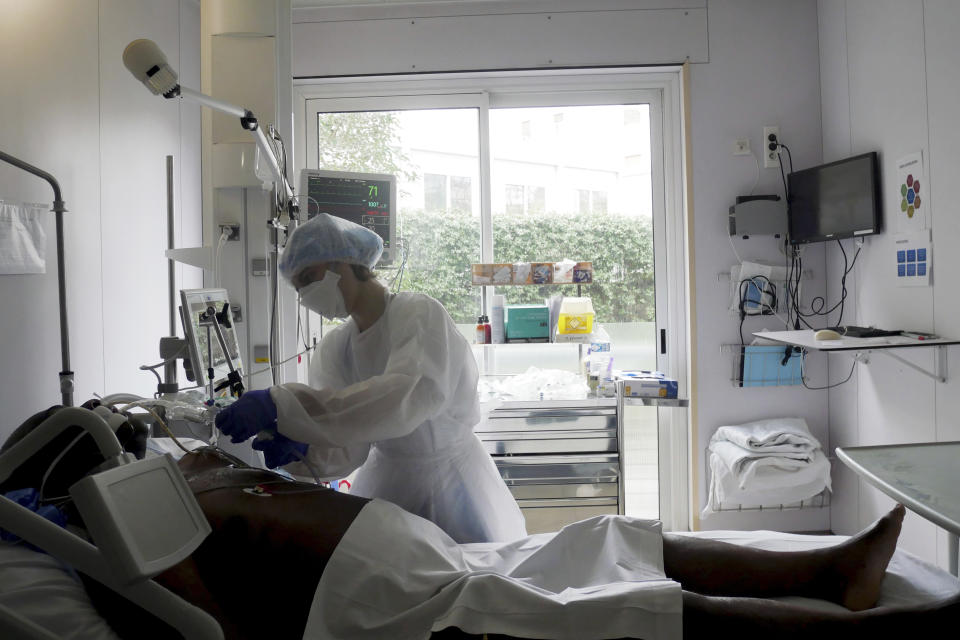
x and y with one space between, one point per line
765 365
819 501
860 346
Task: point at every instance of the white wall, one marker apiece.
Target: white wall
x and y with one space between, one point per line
890 84
71 108
755 63
763 70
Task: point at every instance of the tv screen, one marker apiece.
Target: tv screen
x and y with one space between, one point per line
836 200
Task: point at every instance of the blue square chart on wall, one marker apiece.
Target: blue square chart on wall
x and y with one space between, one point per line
912 259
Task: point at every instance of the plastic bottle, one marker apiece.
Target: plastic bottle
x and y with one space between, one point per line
496 320
487 330
481 332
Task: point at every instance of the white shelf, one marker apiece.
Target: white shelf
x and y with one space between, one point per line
805 339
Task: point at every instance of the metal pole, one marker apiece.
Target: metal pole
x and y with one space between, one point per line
170 368
66 374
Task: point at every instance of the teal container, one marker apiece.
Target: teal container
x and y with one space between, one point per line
526 323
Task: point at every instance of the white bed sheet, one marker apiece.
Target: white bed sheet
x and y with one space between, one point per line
40 589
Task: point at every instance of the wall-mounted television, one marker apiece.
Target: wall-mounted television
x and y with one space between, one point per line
836 200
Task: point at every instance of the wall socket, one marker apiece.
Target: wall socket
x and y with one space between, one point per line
770 158
741 147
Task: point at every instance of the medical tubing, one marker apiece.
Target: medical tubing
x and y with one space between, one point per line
118 398
308 465
268 435
66 375
163 425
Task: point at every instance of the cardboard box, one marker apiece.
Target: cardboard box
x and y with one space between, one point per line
647 384
482 274
541 272
583 273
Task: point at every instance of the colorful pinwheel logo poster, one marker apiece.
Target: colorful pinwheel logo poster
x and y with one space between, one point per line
912 190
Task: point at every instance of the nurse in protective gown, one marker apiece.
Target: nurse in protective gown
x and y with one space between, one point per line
392 391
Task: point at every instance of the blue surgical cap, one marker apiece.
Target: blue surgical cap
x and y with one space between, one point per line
326 238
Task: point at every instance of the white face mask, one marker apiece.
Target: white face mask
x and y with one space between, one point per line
324 297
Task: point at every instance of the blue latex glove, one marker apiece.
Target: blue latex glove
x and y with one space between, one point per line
278 449
252 413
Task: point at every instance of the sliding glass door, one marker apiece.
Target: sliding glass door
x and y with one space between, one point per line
508 168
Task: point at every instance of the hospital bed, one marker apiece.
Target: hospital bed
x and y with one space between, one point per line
45 592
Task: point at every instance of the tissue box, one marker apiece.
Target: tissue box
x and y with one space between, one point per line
647 384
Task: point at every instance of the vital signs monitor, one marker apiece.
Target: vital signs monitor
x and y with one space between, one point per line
202 338
368 199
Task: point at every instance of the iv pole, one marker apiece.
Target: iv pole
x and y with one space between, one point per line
66 375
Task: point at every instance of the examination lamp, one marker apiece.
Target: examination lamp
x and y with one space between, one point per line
147 63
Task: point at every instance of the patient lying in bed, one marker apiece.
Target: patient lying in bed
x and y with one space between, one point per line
280 551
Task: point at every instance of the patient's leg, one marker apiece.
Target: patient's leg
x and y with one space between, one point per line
849 573
749 618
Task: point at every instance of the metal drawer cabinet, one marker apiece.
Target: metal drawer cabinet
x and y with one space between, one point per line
560 459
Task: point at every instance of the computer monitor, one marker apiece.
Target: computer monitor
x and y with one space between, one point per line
195 302
837 200
368 199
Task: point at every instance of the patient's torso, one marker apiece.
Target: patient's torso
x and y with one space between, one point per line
271 541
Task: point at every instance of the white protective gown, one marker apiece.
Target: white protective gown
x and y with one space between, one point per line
400 399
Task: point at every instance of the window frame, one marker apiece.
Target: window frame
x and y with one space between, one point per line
659 87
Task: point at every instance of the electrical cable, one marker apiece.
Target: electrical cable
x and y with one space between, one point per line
734 248
247 485
282 362
223 238
764 288
274 307
831 386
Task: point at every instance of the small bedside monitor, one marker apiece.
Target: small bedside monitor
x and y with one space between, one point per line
368 199
195 302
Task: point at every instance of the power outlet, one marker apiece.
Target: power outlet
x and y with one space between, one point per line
771 157
232 231
741 147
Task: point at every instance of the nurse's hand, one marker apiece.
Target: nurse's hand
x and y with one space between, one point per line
252 413
278 449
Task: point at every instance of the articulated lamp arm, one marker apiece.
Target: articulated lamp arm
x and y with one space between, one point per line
147 63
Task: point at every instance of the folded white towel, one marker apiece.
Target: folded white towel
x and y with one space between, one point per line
743 464
770 435
769 486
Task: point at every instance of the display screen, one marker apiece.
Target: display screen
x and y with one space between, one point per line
365 199
836 200
205 350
